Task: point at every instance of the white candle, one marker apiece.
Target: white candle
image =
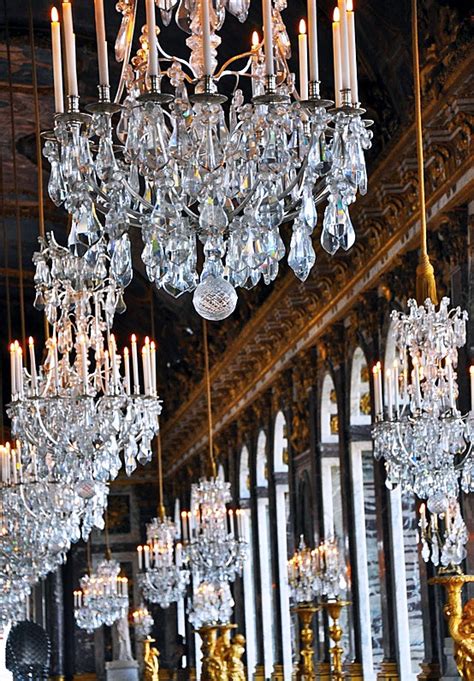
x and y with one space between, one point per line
13 369
255 57
57 61
231 522
136 377
101 42
471 375
344 47
185 526
146 379
147 556
396 388
31 346
19 371
83 351
336 49
389 393
13 458
148 360
268 37
179 555
113 356
206 37
140 557
449 371
153 367
416 381
126 361
153 67
352 51
70 43
106 371
313 41
303 58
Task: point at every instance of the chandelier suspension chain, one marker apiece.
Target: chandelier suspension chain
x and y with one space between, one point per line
108 553
38 144
161 506
5 256
209 400
425 279
15 179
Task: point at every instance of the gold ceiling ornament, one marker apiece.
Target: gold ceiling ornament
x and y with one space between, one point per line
425 277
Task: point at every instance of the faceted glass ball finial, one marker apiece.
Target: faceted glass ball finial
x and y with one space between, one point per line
215 299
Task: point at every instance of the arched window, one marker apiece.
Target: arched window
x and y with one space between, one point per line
180 605
362 465
263 512
247 574
405 561
333 520
280 469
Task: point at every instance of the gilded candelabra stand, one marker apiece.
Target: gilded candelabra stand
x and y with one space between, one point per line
333 609
221 654
460 621
305 670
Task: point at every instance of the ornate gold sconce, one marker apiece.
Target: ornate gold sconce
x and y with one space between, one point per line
221 655
306 670
333 608
460 622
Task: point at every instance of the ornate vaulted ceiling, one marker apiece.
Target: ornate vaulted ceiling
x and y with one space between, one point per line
248 349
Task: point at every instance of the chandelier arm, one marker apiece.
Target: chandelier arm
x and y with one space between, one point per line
25 502
128 50
173 58
222 70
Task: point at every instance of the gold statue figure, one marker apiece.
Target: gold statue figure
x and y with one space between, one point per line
460 622
235 666
151 663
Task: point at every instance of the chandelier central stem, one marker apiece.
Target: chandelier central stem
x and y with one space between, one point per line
161 506
209 400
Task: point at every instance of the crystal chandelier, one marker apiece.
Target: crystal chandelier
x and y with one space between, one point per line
163 577
303 569
425 440
83 405
211 604
102 598
213 536
142 621
443 537
195 172
314 573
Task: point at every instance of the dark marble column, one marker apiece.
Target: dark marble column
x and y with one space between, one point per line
55 622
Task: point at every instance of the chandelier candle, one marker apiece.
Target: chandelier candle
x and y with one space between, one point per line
352 51
153 65
101 43
57 61
336 50
70 43
471 377
303 59
206 38
344 51
268 37
313 41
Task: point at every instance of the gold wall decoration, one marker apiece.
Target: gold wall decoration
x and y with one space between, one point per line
334 424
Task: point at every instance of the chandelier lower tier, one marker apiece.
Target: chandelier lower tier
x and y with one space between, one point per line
197 173
102 598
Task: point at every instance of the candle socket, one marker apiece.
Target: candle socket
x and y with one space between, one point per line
104 94
346 97
73 104
270 85
314 89
154 85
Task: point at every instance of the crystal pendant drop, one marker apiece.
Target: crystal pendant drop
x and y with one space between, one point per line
215 299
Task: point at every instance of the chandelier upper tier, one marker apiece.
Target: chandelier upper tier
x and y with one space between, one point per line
188 167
